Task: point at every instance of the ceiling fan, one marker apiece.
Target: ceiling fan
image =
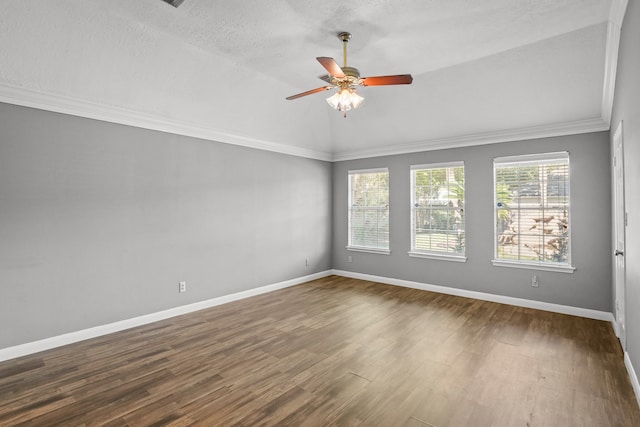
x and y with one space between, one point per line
346 78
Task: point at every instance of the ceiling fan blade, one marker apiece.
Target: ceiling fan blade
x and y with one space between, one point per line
174 3
327 78
400 79
331 66
309 92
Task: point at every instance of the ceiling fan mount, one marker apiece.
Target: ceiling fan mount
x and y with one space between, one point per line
345 36
346 78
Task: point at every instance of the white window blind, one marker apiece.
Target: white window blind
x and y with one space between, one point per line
532 203
437 209
369 210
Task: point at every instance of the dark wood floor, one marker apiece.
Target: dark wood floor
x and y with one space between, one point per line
334 351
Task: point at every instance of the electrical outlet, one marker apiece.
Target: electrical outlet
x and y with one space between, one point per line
182 287
350 259
534 281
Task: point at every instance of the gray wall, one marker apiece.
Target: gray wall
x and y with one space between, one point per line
588 287
99 222
627 108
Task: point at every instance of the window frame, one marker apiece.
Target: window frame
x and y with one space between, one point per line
431 254
367 249
532 159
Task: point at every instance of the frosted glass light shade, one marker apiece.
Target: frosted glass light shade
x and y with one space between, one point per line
345 99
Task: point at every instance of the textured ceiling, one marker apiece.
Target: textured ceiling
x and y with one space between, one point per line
483 70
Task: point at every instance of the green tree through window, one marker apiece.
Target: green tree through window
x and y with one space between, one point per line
532 209
369 210
437 209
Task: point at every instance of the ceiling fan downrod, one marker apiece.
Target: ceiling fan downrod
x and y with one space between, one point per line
345 36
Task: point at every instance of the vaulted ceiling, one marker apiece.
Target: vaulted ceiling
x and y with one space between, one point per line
484 71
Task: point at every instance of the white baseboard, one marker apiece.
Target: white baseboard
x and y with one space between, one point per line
520 302
632 376
616 327
72 337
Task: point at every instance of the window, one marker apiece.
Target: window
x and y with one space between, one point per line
437 211
532 211
369 210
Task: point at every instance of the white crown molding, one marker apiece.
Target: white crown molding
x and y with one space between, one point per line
536 132
614 27
93 110
610 66
85 334
617 11
83 108
603 123
519 302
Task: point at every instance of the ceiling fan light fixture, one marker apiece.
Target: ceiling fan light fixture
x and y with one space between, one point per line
345 78
345 99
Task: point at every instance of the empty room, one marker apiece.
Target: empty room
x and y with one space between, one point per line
299 213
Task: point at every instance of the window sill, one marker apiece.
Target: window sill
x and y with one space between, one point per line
441 257
369 250
563 268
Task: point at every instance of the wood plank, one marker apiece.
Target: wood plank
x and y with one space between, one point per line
334 351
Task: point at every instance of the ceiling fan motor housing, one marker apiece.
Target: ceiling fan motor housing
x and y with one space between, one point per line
351 72
351 77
